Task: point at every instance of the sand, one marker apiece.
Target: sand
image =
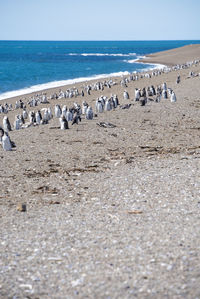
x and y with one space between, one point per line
111 212
174 56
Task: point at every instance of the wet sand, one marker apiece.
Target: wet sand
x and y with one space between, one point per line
111 212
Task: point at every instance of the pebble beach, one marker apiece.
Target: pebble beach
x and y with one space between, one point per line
111 212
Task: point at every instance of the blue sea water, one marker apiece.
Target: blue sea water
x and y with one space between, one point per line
28 64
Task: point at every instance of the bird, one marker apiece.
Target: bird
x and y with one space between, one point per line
89 113
63 123
6 124
126 95
173 97
58 111
5 140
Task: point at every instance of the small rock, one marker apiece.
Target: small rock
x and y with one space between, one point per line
21 207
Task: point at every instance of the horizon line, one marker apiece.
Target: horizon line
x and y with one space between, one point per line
106 40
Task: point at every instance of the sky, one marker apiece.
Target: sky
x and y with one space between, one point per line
100 20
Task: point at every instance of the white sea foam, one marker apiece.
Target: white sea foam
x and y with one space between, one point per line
135 60
40 87
101 54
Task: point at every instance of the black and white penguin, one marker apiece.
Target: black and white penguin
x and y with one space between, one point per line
64 110
84 107
58 111
89 113
63 123
76 118
137 94
69 115
25 114
32 117
164 94
173 97
108 105
6 124
17 123
6 143
143 92
126 95
116 100
38 117
99 106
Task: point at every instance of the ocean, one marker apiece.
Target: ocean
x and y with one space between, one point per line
27 66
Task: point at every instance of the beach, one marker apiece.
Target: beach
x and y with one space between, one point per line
111 212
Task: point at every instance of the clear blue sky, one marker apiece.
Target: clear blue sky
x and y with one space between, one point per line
99 19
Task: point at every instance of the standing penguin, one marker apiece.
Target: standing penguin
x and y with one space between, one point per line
126 95
58 111
69 115
137 95
64 110
89 113
25 114
108 105
17 123
173 97
7 144
84 107
38 117
6 124
63 123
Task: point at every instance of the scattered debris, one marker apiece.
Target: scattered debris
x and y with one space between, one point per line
135 212
106 125
127 106
21 207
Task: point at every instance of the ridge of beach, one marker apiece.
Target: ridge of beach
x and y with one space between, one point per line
111 212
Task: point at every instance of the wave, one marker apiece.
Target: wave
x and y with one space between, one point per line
102 54
135 60
54 84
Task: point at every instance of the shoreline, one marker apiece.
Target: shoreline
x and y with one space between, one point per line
45 87
158 60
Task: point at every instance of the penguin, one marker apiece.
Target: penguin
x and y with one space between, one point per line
6 124
63 123
164 86
173 97
84 107
108 105
143 93
50 113
99 106
69 115
17 123
75 118
25 114
126 95
32 117
143 101
164 94
64 110
89 113
6 143
58 111
38 117
137 94
116 100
